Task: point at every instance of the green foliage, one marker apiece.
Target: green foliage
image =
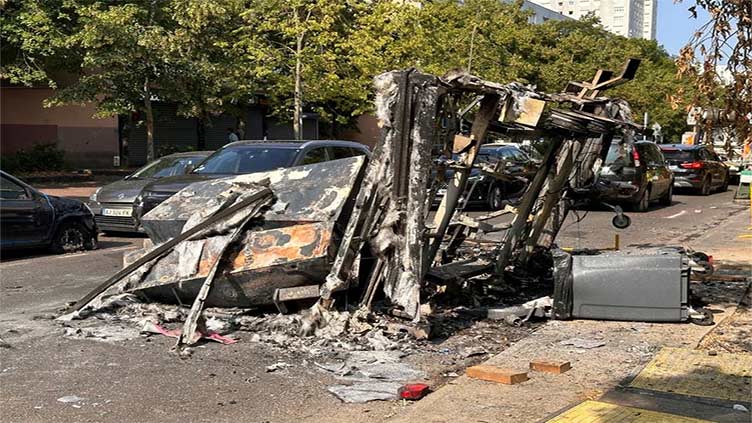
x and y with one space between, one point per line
214 56
34 41
40 157
268 49
574 50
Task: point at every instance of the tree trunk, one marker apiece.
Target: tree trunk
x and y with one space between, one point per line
298 96
149 122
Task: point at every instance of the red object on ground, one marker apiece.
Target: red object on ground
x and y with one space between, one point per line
175 333
413 391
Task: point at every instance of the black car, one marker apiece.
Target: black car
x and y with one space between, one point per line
489 191
696 167
29 218
244 157
635 174
112 204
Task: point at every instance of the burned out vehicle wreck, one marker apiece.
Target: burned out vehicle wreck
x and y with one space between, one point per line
351 233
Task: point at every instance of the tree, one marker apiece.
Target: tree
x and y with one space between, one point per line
574 50
295 50
34 41
727 36
125 55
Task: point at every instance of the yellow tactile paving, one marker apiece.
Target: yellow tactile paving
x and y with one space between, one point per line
602 412
723 376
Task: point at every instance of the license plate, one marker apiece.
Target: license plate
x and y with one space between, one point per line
117 212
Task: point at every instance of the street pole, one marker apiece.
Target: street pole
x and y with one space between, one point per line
645 127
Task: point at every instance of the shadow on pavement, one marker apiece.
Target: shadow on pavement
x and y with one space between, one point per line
29 253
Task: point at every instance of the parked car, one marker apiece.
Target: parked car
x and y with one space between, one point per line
244 157
113 204
696 167
635 175
490 191
29 218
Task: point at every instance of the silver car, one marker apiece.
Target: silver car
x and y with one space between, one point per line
113 204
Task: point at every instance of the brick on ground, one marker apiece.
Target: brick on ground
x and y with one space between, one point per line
496 374
548 366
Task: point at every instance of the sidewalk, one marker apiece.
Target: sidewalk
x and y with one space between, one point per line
604 372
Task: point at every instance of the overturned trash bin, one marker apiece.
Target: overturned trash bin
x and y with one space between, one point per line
623 286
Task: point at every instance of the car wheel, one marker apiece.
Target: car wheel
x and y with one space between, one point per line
642 205
724 186
70 237
496 198
667 199
705 187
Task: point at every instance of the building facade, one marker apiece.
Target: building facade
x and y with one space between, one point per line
629 18
24 121
542 14
95 143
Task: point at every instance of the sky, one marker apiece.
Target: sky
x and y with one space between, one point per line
675 26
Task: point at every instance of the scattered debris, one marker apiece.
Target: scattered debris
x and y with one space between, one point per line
151 327
366 391
281 365
739 407
472 351
583 343
517 315
373 375
69 399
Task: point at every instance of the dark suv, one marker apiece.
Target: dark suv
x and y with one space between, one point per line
29 218
244 157
696 167
635 174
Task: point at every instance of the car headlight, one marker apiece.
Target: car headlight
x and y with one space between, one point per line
93 197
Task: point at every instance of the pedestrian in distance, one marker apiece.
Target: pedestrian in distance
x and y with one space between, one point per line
232 136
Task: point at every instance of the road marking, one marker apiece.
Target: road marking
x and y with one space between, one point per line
67 256
677 214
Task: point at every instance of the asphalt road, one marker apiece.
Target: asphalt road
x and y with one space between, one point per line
140 380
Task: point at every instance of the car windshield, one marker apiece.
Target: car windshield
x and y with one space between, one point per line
676 155
167 166
242 159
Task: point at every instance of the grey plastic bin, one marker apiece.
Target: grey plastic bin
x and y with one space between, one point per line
622 286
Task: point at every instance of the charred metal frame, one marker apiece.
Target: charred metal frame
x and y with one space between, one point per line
388 222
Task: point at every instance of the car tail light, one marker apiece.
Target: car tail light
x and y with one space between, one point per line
636 157
692 165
